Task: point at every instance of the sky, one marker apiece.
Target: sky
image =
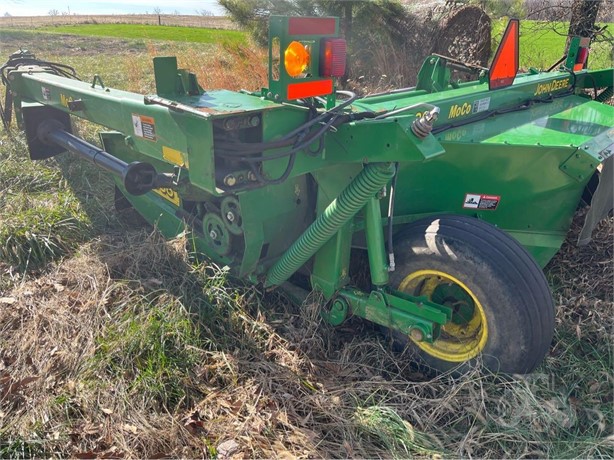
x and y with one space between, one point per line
42 7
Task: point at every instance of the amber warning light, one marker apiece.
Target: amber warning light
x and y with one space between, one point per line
296 59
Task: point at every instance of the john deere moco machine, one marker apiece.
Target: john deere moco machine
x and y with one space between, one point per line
458 193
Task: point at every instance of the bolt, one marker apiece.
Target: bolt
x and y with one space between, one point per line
230 216
416 334
251 176
269 95
213 235
230 180
254 121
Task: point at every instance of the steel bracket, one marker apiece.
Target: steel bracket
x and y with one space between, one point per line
582 163
414 316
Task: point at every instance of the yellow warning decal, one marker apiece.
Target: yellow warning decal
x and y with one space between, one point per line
174 156
168 195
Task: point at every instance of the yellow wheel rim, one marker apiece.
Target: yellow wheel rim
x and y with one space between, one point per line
465 336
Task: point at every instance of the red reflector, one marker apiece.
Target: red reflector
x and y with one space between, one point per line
310 89
311 26
581 59
504 66
333 53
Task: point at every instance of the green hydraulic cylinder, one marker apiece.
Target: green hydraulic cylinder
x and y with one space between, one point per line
375 243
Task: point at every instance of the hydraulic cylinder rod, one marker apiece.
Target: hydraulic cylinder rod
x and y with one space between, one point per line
138 177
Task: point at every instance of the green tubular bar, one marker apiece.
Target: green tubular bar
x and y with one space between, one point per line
351 200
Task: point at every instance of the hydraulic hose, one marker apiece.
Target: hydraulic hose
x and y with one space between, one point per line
351 200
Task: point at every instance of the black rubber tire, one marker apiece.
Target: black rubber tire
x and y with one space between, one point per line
505 279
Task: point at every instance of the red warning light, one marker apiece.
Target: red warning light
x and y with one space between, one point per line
504 66
581 59
333 52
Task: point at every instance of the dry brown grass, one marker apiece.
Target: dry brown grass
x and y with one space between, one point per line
255 376
228 66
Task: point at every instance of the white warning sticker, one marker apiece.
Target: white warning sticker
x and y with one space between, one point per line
144 127
485 202
481 105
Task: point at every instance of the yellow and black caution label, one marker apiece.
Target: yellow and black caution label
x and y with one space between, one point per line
168 194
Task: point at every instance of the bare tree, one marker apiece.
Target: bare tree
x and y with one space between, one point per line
53 12
548 10
583 16
559 10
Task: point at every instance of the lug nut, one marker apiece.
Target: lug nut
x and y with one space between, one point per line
213 235
230 216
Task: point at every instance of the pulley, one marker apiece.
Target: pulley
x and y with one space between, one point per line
231 215
216 234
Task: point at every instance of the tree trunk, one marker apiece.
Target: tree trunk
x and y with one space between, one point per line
583 17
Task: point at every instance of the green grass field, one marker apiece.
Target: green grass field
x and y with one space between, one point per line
542 44
148 32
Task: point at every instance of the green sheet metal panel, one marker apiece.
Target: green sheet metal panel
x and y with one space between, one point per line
515 161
